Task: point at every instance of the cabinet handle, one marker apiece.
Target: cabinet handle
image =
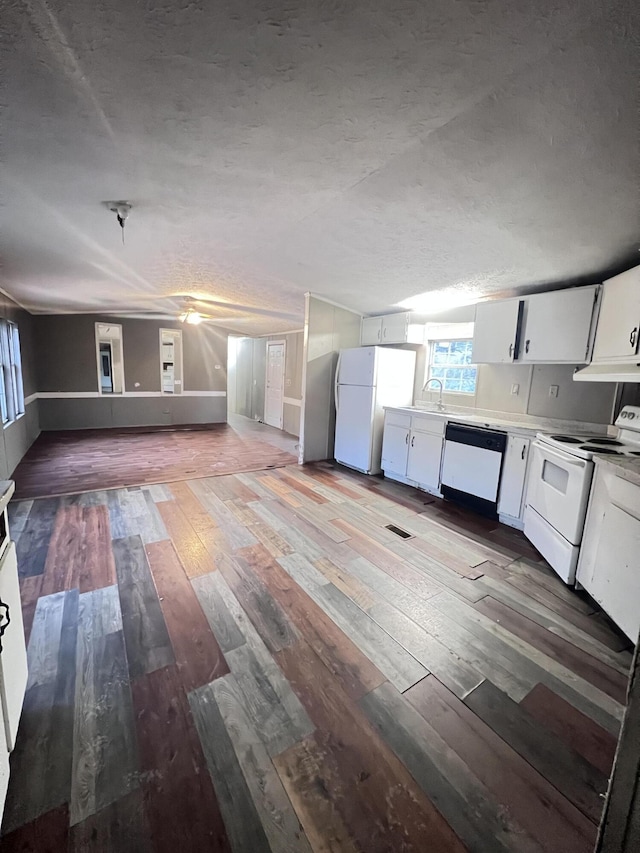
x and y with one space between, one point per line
510 350
632 336
406 439
384 332
5 624
526 346
413 438
378 334
524 447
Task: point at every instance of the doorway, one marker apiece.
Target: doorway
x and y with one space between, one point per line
106 373
274 392
109 358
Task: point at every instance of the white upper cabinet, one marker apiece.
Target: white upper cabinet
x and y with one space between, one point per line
554 328
371 331
557 326
619 322
391 329
495 331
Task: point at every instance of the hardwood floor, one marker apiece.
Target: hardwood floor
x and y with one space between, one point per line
255 662
63 463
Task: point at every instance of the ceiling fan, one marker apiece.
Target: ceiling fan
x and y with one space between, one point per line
192 310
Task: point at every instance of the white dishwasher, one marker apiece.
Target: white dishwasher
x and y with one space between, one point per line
471 467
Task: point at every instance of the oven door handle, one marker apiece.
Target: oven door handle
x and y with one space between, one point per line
544 448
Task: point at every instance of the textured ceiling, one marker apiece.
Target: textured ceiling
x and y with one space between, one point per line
366 151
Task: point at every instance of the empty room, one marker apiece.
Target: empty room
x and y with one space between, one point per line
320 445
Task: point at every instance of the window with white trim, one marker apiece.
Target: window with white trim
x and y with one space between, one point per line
11 386
450 362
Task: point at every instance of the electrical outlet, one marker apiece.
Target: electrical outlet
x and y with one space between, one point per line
515 389
553 390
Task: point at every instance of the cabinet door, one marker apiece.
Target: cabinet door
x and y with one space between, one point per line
425 453
619 321
371 331
495 331
514 471
395 449
395 328
557 326
4 774
13 672
616 581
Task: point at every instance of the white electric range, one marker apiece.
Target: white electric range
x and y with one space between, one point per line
560 474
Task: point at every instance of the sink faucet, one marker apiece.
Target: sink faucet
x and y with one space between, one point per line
439 381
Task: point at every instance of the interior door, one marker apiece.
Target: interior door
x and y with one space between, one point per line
274 396
354 426
495 331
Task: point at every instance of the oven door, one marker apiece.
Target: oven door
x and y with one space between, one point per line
558 489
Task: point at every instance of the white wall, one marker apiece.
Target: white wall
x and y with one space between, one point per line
328 328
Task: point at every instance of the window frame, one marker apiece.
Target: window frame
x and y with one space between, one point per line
430 365
15 368
12 404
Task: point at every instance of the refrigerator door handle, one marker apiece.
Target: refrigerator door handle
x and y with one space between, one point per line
335 387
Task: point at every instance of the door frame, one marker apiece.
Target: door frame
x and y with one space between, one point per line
117 365
266 381
177 380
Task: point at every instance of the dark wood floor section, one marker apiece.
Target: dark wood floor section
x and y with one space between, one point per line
64 463
254 662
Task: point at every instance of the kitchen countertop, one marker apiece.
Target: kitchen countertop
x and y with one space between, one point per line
7 488
494 420
627 467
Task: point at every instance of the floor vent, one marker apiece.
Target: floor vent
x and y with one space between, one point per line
399 532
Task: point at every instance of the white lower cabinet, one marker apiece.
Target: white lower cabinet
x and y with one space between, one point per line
4 775
13 663
514 475
412 448
395 448
608 562
425 453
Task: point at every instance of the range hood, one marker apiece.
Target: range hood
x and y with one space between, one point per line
613 372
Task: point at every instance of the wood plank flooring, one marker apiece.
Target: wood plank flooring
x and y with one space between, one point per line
62 463
253 662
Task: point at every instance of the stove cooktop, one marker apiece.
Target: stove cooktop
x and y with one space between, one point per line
625 443
586 446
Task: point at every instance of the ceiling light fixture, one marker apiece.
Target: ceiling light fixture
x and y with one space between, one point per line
121 210
437 301
191 317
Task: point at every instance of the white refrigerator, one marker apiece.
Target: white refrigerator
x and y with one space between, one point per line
367 380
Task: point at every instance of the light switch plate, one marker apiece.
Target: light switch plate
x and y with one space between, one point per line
553 390
515 389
